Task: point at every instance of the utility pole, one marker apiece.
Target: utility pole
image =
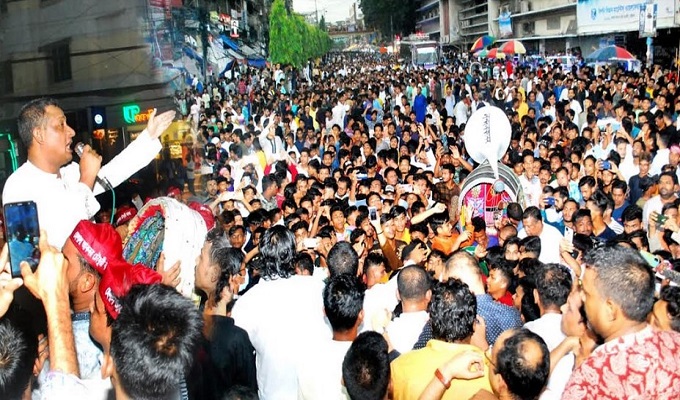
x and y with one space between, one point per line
203 26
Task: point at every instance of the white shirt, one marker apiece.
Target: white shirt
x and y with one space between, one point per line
405 330
653 204
460 111
532 190
549 328
320 375
550 239
62 200
377 299
660 159
283 318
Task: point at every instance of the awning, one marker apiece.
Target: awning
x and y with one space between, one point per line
228 43
257 62
192 53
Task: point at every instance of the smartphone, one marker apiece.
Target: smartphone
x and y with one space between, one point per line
362 176
406 188
606 165
372 214
22 232
246 181
569 234
661 219
311 243
550 201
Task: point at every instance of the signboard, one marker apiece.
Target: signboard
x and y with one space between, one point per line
234 28
132 114
648 16
505 23
604 16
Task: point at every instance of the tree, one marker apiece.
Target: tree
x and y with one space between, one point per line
292 40
390 17
322 23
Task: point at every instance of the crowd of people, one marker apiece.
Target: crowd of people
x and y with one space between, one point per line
345 254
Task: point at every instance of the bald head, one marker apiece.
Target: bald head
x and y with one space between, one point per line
464 266
413 282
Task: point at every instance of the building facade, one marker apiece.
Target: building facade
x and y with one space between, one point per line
94 57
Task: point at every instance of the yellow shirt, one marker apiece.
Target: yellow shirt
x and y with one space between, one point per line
406 236
411 372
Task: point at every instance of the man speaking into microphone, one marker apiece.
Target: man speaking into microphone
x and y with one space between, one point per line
64 190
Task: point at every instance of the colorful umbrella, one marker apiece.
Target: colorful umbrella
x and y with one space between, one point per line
610 53
493 53
513 47
482 42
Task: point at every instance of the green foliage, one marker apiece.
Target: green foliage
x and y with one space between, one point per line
292 40
390 17
322 23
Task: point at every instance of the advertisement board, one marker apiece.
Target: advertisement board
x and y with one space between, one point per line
603 16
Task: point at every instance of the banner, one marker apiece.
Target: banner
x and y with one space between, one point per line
648 16
604 16
505 24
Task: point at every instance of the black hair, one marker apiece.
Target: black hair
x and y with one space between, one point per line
277 248
343 259
532 212
343 299
580 214
602 201
671 295
437 220
366 367
478 224
303 262
514 211
229 260
531 244
528 307
31 116
413 282
624 277
553 283
18 351
453 309
631 213
586 181
373 259
529 266
239 392
525 377
154 340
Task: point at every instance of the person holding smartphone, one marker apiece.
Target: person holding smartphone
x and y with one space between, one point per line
64 190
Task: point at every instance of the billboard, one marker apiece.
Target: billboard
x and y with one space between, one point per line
505 24
602 16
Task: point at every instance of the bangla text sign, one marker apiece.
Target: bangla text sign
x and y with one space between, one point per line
599 16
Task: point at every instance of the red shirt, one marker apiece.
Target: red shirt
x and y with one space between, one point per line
506 299
641 365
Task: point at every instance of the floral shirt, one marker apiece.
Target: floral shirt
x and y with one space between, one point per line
643 365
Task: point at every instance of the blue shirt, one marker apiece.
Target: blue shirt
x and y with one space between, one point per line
499 317
617 214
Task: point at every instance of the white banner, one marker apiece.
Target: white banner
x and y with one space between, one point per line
605 16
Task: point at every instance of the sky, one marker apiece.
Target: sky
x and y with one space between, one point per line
336 10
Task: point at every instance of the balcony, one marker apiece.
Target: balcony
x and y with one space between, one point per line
428 6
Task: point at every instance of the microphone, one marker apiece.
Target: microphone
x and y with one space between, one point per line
100 179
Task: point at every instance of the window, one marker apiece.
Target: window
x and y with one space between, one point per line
554 23
7 80
61 62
